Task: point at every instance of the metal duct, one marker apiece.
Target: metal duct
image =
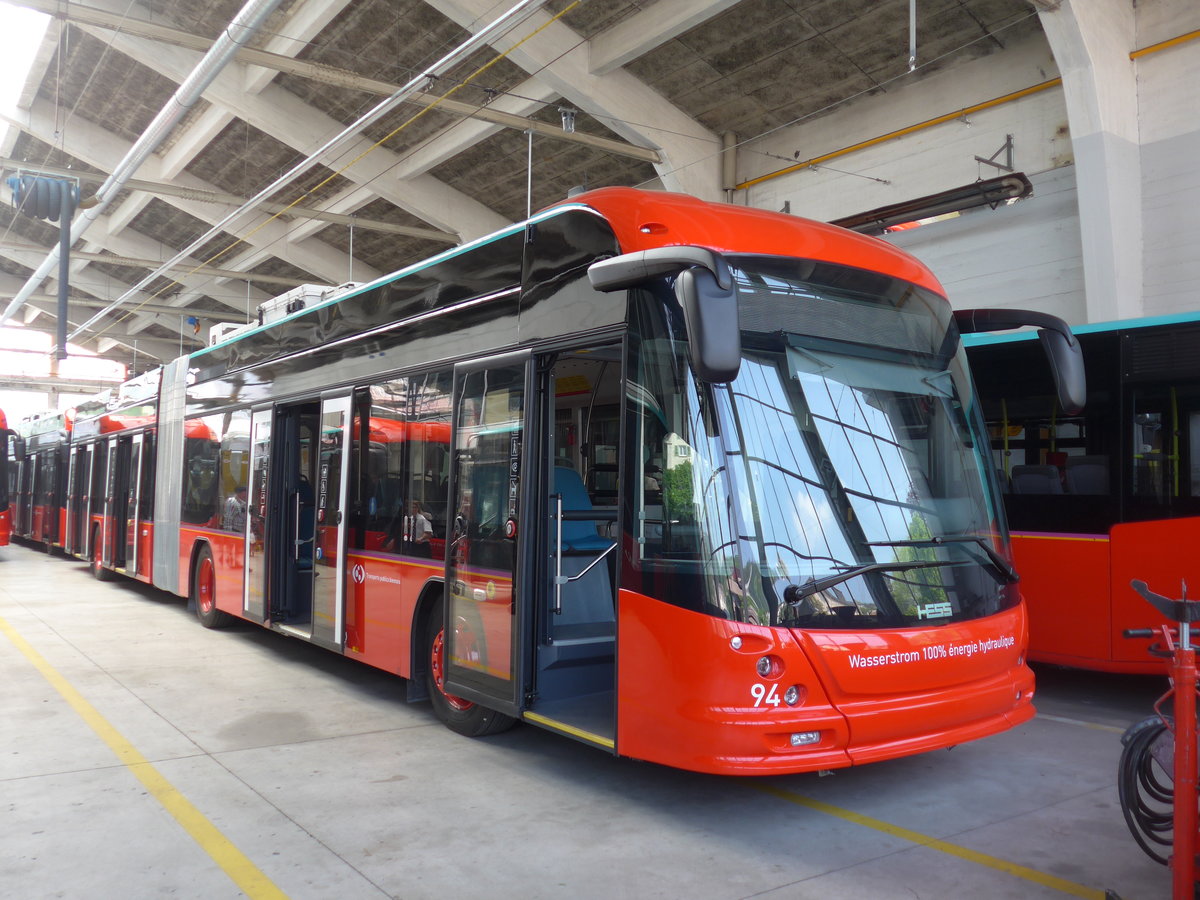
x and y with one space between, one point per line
236 33
510 19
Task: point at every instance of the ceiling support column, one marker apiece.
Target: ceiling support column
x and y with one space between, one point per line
1091 40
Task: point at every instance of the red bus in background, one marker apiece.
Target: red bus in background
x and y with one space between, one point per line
110 495
38 488
6 466
1098 499
688 482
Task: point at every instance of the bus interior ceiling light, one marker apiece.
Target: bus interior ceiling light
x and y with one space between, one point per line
989 192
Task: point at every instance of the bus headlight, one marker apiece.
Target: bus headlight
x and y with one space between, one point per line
769 667
804 738
792 695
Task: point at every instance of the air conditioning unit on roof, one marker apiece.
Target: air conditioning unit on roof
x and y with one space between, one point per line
298 298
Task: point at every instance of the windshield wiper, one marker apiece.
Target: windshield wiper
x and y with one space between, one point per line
1001 565
795 593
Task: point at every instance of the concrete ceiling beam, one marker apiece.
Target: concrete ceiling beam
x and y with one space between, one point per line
557 56
289 119
641 33
98 147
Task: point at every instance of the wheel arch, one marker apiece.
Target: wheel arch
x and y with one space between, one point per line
198 545
431 593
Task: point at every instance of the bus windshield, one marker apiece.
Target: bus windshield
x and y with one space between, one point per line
840 481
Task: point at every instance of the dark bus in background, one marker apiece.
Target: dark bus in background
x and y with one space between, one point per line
6 466
1098 499
38 488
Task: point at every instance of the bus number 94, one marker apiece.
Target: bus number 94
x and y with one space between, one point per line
765 694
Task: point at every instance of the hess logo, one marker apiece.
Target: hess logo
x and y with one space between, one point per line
359 573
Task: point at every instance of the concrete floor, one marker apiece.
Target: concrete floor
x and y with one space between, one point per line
249 759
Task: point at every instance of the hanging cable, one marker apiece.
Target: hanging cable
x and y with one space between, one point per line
1146 789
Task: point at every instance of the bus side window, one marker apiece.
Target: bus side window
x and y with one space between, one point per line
1194 453
429 461
1149 461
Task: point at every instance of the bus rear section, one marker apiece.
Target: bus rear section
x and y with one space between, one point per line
1098 499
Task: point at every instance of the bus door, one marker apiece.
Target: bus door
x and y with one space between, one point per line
108 528
254 602
133 486
575 622
36 507
24 499
77 497
97 476
116 522
329 547
485 607
290 533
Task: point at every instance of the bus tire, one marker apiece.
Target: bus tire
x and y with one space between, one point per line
97 561
459 715
204 591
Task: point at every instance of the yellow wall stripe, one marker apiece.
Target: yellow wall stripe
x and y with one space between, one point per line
982 859
247 876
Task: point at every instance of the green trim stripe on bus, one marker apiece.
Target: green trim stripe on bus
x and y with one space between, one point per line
987 340
405 272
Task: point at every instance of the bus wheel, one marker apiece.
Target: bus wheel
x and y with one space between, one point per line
204 592
457 714
97 563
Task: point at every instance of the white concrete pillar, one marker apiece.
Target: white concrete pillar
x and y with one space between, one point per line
1091 41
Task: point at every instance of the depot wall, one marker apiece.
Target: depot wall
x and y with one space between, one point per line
1028 254
1169 134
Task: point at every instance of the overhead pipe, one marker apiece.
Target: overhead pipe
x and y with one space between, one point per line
243 27
202 195
331 75
510 19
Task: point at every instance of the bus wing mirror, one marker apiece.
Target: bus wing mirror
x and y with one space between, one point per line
18 447
1058 341
711 316
704 289
631 269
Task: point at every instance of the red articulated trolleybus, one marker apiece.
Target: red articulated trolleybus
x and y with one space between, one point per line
1099 499
110 494
37 492
693 483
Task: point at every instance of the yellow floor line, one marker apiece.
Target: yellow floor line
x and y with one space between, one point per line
992 862
247 876
1095 726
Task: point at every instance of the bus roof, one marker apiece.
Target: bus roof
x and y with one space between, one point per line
646 219
643 220
987 340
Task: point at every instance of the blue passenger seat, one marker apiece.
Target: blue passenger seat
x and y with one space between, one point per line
579 536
